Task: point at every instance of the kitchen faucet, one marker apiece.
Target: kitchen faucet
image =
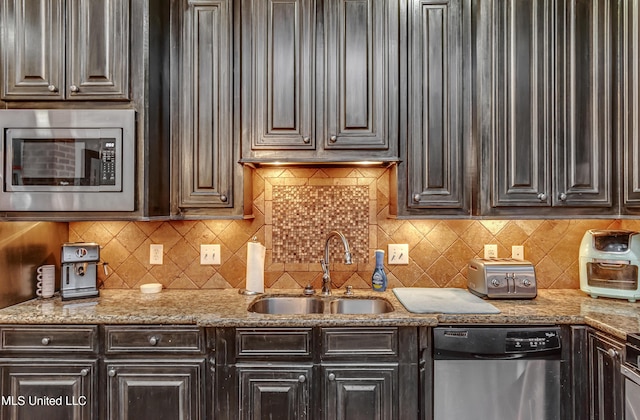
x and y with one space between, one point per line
326 277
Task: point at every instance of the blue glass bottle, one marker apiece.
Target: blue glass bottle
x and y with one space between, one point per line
379 277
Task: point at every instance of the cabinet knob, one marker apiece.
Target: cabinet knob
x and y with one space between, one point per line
333 139
613 353
52 88
223 198
112 372
302 378
84 372
306 140
332 377
46 341
74 88
542 196
562 197
154 340
416 198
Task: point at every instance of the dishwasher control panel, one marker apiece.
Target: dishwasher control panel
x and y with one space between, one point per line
528 341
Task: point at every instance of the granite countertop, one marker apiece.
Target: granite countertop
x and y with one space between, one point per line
227 308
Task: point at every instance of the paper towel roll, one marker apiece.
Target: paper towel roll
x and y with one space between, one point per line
255 267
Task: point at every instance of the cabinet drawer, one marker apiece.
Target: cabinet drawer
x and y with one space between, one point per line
345 342
128 339
265 342
48 338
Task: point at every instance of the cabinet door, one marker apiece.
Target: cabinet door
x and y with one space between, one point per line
523 98
435 164
206 144
360 393
583 156
274 392
32 44
605 380
282 57
48 389
362 74
630 94
98 53
162 390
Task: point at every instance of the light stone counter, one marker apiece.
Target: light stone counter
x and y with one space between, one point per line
227 308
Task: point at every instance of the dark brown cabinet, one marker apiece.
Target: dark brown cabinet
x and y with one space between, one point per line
208 178
154 372
307 373
606 383
320 80
49 372
545 86
65 50
438 145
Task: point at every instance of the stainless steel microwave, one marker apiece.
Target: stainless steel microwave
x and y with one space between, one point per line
67 160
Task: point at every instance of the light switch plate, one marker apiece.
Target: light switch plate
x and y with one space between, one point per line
210 254
398 254
155 254
491 251
517 252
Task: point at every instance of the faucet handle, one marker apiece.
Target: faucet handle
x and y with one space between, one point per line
309 290
349 291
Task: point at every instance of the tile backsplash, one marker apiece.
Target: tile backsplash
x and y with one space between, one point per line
353 200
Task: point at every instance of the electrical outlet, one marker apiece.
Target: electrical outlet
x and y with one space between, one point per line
491 251
398 254
210 254
155 254
517 252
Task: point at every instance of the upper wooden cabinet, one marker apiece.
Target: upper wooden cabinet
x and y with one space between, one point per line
58 50
320 80
545 86
438 151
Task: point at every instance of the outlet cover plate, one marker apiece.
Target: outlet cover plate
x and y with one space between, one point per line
210 254
517 252
398 254
156 252
491 251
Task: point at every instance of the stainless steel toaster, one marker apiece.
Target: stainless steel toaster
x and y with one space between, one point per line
502 278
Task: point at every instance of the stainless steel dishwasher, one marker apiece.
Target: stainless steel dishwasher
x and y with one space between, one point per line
498 373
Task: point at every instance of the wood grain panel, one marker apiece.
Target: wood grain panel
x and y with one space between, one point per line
630 89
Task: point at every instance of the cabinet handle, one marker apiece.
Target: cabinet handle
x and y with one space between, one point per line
562 197
223 198
306 140
333 139
302 378
74 88
112 372
84 372
613 353
52 88
332 377
416 198
46 341
153 340
542 197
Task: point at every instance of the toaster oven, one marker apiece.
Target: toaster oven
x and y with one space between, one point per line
609 261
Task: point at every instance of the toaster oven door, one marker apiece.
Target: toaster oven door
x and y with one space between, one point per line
612 275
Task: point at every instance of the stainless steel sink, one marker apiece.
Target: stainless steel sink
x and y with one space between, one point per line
360 306
287 305
283 305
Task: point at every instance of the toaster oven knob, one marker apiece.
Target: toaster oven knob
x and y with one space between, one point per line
495 283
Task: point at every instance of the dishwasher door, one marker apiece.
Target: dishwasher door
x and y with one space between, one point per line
496 373
631 393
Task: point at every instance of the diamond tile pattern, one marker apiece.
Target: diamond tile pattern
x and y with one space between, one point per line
439 248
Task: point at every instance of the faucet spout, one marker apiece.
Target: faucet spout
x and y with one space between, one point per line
324 263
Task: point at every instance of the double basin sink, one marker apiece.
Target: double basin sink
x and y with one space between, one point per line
317 305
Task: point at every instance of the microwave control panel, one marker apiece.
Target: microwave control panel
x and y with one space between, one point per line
108 157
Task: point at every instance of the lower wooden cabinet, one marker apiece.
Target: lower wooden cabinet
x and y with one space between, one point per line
606 383
155 389
51 389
